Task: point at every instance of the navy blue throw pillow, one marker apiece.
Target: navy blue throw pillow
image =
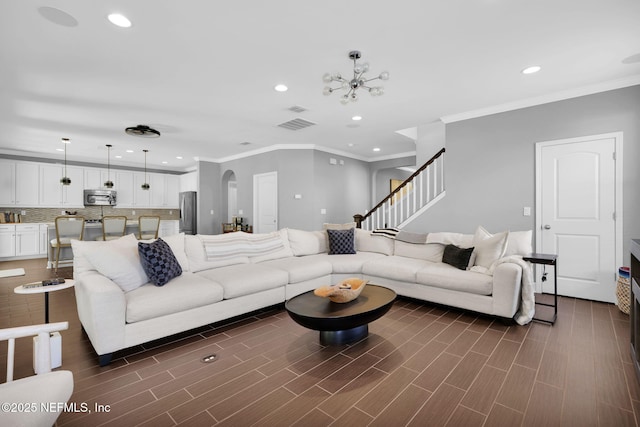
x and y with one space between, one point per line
159 262
341 242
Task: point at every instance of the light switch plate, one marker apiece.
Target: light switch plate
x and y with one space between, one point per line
323 211
526 211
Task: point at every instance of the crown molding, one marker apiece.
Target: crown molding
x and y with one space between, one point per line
545 99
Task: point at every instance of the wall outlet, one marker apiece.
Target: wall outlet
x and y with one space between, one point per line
323 211
63 213
170 212
211 212
240 211
133 212
297 196
23 213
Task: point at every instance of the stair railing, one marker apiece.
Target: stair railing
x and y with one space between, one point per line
422 189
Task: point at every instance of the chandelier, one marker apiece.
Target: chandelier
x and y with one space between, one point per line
358 81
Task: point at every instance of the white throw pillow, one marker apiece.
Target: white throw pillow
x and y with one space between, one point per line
284 252
176 243
366 241
519 243
197 256
489 247
307 242
119 261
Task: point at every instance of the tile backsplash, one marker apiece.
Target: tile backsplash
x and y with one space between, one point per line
89 212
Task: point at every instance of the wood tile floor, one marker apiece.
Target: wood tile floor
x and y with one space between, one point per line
421 365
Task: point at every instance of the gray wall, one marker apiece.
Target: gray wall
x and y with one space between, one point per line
490 161
343 190
383 178
209 184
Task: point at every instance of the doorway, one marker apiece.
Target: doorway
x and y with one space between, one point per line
579 213
265 202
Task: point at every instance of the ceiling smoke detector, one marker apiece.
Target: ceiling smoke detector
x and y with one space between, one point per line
143 131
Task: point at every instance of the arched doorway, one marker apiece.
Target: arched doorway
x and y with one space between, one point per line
229 195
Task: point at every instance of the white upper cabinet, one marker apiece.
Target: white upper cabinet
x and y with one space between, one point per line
95 178
18 183
53 193
123 184
164 190
172 199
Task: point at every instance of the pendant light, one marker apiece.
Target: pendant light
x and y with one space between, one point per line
108 183
65 180
146 185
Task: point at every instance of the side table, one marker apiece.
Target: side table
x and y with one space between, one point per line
56 338
44 289
547 259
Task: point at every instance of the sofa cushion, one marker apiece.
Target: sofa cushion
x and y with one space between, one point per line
239 280
519 243
116 259
342 241
395 268
444 276
307 242
180 294
158 262
302 269
459 258
428 251
194 249
347 264
448 238
489 247
368 242
283 247
176 243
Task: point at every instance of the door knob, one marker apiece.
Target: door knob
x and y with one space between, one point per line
547 227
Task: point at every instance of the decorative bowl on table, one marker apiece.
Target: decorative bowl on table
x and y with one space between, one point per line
345 291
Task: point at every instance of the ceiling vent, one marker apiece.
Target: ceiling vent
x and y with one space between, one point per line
296 124
297 109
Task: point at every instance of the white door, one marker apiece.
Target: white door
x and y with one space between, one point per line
265 202
576 202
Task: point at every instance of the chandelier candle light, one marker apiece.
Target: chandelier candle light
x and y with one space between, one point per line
65 180
146 185
358 81
108 183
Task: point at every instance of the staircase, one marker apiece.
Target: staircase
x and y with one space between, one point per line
414 196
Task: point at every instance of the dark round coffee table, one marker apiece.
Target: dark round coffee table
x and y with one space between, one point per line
341 323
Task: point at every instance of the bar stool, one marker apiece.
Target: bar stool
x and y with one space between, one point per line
67 228
148 227
113 227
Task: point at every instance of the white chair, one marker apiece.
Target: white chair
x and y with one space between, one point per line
148 227
67 228
113 227
44 387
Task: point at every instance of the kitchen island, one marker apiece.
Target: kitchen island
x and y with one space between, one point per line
92 230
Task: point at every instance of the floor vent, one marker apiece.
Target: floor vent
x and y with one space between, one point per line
296 124
297 109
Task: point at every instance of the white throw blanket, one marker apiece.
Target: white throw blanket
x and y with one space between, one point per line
527 290
527 297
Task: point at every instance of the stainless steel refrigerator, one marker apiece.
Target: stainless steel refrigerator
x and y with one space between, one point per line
188 212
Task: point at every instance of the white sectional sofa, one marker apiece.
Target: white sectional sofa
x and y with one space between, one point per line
221 279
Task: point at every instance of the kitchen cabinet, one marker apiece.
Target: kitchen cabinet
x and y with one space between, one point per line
123 184
43 246
54 194
7 240
27 239
18 183
164 190
141 198
94 178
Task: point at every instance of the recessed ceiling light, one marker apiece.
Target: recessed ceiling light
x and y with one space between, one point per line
119 20
531 70
59 149
356 118
129 151
165 162
376 149
179 157
280 88
118 157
